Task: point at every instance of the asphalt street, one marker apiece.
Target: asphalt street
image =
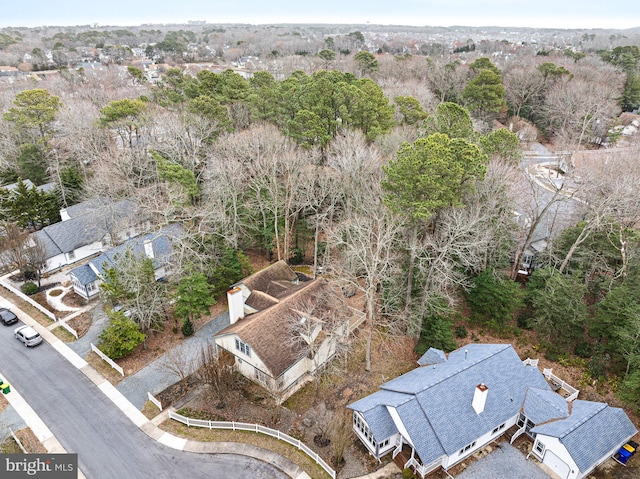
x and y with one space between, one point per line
86 422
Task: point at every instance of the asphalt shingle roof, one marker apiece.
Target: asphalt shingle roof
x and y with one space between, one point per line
590 432
380 422
439 416
91 226
162 247
541 406
432 356
84 274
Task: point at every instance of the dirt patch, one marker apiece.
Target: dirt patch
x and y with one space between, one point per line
73 300
30 441
81 323
3 402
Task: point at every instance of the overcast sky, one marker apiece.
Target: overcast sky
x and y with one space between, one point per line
518 13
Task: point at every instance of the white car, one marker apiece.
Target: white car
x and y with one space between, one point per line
28 336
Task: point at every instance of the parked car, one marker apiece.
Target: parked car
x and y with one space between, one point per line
7 317
28 336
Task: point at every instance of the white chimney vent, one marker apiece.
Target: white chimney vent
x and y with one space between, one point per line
479 398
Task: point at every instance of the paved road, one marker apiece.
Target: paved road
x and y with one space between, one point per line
109 446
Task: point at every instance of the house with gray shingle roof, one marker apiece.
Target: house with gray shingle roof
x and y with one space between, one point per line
283 327
439 414
158 246
87 229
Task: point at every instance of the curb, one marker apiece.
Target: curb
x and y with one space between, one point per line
52 445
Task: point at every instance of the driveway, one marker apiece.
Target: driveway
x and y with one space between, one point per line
86 422
154 377
505 462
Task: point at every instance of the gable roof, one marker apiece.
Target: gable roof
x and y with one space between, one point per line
541 406
275 280
86 228
439 416
590 432
266 331
432 356
161 242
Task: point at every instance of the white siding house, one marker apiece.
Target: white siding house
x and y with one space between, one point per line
439 414
274 340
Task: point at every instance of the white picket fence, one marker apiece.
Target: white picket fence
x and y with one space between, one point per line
18 441
26 298
155 401
242 426
106 358
68 328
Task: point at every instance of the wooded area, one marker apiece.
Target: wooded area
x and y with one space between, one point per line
400 177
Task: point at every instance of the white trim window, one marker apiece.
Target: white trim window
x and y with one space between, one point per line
243 348
499 428
538 449
260 376
466 448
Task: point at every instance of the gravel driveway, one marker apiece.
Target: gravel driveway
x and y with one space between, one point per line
505 462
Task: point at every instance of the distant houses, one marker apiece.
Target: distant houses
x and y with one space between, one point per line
89 228
157 246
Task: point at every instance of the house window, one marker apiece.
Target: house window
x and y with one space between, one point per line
539 448
260 376
499 428
466 448
71 255
243 348
363 428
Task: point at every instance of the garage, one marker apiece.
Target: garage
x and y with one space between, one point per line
556 464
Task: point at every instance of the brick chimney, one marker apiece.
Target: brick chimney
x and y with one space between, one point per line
479 398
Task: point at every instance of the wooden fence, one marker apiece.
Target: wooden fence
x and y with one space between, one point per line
242 426
106 358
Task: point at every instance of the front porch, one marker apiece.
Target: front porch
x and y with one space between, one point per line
405 458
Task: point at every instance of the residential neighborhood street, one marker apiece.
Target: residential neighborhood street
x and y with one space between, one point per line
87 422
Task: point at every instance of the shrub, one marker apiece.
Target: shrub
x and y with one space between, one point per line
187 327
461 331
494 298
583 350
121 336
30 288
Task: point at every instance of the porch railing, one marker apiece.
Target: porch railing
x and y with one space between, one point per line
558 384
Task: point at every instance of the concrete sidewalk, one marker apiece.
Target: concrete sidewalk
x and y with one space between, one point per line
134 414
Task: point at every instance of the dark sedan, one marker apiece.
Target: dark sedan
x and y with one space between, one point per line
7 317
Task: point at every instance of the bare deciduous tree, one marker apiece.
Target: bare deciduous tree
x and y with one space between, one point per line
220 377
365 249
